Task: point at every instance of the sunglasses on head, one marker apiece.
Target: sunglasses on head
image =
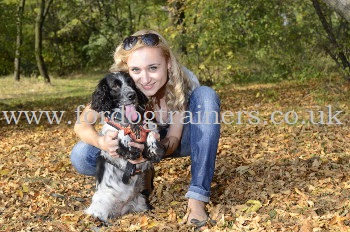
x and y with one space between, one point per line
149 39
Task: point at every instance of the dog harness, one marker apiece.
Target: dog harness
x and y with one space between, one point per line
137 132
129 171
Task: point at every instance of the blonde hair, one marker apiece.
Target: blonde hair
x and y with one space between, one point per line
178 84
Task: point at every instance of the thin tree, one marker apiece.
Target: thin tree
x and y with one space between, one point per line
17 63
39 24
336 51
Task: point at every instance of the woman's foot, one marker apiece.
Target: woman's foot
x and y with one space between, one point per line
197 210
198 215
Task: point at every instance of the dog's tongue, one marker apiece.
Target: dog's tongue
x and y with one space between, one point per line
131 113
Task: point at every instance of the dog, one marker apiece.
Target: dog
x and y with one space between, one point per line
120 185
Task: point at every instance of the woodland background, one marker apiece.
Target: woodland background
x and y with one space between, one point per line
258 55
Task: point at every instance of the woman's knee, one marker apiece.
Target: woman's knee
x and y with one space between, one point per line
205 96
77 151
83 158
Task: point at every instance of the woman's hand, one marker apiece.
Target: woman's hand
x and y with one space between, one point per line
109 143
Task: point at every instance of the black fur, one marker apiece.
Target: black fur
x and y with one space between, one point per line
114 90
115 197
100 168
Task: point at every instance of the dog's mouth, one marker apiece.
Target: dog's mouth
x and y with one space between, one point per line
131 113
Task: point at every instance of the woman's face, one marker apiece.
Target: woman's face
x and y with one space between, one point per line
149 69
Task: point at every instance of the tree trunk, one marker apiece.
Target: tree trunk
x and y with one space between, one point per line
39 23
337 51
17 62
342 7
178 20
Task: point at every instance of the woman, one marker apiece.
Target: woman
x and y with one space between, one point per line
173 92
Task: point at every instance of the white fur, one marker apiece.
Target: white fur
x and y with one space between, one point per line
113 198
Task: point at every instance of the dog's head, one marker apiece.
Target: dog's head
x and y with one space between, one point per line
118 90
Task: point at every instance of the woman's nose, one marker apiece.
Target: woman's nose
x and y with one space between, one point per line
145 78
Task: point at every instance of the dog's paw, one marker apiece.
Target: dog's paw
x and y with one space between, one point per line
126 151
154 150
135 153
96 213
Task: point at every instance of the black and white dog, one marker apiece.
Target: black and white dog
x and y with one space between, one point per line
121 184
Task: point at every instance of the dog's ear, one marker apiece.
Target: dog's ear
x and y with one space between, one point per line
142 98
101 97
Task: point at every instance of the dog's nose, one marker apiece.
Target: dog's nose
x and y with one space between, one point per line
131 95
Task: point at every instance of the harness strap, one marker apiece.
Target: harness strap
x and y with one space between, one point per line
130 170
139 134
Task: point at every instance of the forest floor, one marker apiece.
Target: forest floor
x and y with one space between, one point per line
269 176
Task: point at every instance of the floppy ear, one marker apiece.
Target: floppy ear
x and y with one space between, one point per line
142 99
101 97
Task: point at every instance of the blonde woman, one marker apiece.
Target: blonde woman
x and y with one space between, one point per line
187 115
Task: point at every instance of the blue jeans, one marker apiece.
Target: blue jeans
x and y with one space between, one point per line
200 140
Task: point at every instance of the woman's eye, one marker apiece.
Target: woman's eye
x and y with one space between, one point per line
135 70
153 68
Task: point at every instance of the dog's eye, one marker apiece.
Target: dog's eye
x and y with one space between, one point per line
116 84
129 81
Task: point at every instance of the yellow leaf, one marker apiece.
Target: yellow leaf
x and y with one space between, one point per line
25 188
174 203
20 193
253 206
4 172
152 224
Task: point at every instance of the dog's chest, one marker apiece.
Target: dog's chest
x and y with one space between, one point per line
112 178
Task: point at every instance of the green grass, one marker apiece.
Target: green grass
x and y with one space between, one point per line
31 93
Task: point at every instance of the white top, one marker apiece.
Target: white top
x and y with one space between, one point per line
193 79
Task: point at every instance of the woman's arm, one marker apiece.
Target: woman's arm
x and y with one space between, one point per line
173 137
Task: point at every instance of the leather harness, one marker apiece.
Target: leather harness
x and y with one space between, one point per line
137 133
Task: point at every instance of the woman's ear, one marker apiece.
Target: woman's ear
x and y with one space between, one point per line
169 66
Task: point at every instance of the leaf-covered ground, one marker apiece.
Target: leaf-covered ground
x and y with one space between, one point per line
269 177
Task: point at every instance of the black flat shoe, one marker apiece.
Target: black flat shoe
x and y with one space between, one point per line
199 224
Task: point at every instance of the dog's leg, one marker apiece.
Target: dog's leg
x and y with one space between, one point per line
103 206
148 185
138 204
124 149
148 182
100 169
